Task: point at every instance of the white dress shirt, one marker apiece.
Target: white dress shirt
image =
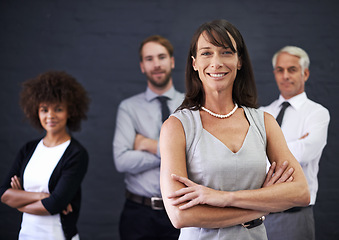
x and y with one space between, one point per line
304 116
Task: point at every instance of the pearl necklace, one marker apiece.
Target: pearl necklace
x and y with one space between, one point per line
220 115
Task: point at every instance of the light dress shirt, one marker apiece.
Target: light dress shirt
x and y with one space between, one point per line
302 117
141 114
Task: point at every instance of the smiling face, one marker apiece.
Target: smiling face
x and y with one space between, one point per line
157 65
217 66
289 75
53 117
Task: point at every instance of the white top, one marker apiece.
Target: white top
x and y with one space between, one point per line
36 178
210 163
302 117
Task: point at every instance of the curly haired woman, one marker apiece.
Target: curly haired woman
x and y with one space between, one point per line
44 181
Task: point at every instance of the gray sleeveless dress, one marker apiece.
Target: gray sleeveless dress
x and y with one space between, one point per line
212 164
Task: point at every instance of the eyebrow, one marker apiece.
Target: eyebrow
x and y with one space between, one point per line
159 55
203 48
49 105
286 68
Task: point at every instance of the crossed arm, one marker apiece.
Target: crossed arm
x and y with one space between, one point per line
192 205
28 202
142 143
133 152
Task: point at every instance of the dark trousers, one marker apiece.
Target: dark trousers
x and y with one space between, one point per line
291 225
138 222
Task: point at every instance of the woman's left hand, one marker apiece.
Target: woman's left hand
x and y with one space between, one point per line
68 209
194 194
280 175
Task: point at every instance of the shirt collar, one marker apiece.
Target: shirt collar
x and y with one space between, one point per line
150 95
296 101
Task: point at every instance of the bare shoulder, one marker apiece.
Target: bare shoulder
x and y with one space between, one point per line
172 133
268 117
172 124
270 122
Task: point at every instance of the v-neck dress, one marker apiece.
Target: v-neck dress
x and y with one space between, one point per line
210 163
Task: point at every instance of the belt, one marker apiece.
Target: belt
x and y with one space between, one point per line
155 203
253 223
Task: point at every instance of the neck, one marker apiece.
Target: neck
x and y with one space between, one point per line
52 140
220 104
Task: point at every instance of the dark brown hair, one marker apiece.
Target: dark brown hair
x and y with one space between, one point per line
54 87
158 39
244 88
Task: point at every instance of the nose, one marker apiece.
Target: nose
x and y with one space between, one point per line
50 114
216 61
156 62
286 74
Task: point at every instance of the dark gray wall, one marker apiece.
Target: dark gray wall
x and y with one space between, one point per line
97 42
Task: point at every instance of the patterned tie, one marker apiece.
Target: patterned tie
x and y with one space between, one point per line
282 112
165 112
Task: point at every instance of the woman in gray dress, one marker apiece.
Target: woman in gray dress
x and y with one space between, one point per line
214 147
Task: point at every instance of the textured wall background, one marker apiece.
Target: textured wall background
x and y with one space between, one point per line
97 42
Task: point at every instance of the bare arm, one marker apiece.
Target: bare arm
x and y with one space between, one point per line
29 202
16 197
34 208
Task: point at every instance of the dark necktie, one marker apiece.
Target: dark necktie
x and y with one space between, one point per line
282 112
165 112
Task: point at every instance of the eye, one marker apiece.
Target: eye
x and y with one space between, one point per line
292 70
227 52
205 53
279 70
59 108
162 56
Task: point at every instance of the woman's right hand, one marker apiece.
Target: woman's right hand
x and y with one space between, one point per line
15 183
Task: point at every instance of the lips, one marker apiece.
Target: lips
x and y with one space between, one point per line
158 73
52 124
286 84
